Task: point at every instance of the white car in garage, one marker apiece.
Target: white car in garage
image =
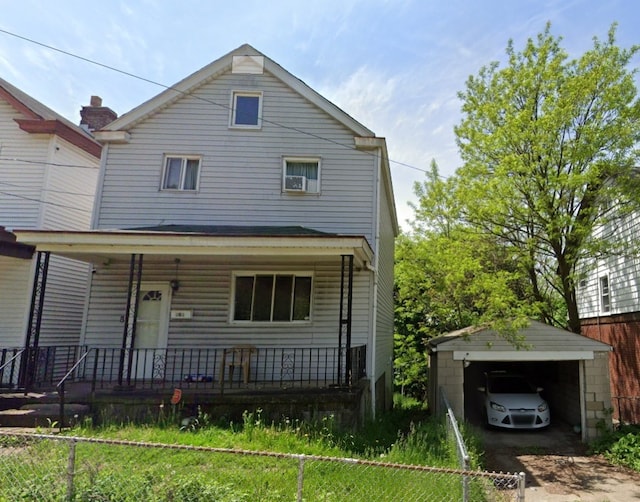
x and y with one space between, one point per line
510 401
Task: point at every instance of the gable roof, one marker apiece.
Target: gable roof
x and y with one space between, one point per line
40 119
217 67
542 342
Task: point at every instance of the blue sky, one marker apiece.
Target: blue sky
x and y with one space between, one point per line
394 65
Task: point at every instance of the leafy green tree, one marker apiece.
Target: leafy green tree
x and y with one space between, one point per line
548 144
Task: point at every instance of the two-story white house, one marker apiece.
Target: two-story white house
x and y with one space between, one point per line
48 175
242 221
609 306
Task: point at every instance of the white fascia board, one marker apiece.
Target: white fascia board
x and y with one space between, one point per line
122 242
112 136
372 143
522 355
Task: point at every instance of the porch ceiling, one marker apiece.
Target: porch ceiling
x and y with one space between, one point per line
99 245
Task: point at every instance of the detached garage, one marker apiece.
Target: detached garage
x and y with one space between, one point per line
572 369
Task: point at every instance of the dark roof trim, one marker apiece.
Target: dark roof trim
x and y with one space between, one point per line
9 246
234 230
59 128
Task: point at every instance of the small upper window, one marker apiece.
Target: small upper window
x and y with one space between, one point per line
181 173
301 175
246 110
605 294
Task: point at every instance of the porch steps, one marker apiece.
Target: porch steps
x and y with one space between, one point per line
42 415
36 410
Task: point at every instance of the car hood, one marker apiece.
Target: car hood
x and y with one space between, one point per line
528 401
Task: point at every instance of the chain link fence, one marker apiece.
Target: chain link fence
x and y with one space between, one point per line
61 468
513 484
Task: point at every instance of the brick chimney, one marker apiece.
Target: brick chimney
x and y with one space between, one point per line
95 116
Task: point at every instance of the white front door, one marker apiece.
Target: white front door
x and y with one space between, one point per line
151 331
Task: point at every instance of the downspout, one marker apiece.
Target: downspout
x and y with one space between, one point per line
374 271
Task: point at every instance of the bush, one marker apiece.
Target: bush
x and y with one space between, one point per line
620 446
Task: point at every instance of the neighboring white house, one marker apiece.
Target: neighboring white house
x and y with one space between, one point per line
240 207
48 175
609 305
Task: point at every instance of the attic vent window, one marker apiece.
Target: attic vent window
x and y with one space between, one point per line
246 110
252 65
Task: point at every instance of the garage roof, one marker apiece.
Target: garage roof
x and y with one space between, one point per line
542 343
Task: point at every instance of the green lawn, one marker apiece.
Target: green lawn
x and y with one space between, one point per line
39 470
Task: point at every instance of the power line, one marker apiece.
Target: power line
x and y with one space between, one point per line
40 162
31 199
50 190
167 87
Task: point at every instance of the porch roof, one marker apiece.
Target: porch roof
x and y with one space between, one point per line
198 240
9 246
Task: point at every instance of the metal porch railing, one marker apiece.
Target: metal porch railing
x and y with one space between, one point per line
218 368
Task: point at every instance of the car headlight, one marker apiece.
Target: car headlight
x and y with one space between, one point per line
497 407
542 407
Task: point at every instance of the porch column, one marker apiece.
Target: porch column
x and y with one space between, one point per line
344 331
130 319
28 366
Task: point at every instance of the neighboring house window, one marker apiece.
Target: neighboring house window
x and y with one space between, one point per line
272 297
246 109
181 173
605 294
301 175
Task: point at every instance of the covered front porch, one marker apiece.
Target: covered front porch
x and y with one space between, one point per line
208 309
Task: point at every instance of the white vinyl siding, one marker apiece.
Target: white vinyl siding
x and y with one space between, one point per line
21 180
385 302
623 273
241 179
51 186
14 295
206 290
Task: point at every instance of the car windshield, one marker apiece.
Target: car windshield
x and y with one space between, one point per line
509 385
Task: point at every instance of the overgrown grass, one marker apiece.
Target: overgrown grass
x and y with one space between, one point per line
620 446
406 435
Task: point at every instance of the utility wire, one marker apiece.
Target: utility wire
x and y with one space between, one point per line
39 162
49 190
75 208
167 87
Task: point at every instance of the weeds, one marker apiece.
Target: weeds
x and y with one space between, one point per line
620 446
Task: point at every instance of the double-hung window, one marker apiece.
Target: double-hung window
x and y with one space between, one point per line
301 175
605 294
181 173
246 109
267 297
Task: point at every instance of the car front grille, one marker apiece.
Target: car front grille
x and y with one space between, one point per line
520 416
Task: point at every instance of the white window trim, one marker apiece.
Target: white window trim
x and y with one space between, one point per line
310 159
244 273
601 294
184 158
232 109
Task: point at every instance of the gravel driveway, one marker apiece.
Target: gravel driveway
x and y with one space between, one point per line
557 467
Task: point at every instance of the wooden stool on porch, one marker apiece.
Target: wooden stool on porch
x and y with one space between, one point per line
237 356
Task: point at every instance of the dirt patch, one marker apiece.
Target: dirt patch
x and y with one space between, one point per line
557 467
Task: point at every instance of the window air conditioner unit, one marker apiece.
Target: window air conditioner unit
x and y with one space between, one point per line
295 183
